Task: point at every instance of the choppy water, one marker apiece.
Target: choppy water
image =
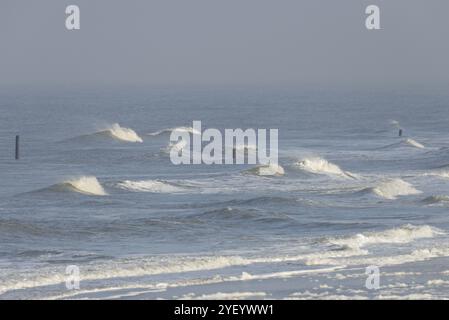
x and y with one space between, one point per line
95 188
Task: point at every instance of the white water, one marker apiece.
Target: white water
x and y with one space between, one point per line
87 185
439 173
394 188
178 129
154 186
123 134
404 234
414 143
322 166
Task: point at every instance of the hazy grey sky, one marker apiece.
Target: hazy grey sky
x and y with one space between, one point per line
224 42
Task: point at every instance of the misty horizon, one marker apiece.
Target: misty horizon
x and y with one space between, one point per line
224 43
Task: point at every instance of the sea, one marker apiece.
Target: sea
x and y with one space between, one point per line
95 209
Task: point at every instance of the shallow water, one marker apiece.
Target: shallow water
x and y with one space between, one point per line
353 194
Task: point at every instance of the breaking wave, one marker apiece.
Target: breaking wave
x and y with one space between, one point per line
88 185
121 133
350 253
179 129
266 170
405 143
403 234
392 189
154 186
438 173
321 166
413 143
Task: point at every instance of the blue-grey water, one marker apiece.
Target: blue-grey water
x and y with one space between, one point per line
353 194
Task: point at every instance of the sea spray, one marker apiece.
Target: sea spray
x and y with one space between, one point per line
319 165
87 185
123 134
391 189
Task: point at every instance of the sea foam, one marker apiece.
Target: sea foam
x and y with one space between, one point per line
87 185
413 143
319 165
403 234
391 189
155 186
123 134
177 129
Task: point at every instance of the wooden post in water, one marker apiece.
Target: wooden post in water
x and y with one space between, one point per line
17 147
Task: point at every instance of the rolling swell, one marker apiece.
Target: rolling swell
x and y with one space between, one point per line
436 200
176 129
113 132
391 189
318 165
87 185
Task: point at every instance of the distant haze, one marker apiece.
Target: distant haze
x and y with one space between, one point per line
189 42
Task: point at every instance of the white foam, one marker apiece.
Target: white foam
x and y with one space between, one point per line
87 185
442 174
414 143
414 256
349 254
178 129
267 170
319 165
404 234
405 143
394 188
224 296
155 186
283 274
123 134
156 266
439 174
438 282
412 296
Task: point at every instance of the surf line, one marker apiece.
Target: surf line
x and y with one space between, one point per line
238 146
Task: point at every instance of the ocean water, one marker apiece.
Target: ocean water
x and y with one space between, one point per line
95 188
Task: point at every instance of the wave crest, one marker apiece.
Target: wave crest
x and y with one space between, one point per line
319 165
413 143
154 186
439 174
404 143
123 134
87 185
393 188
403 234
179 129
